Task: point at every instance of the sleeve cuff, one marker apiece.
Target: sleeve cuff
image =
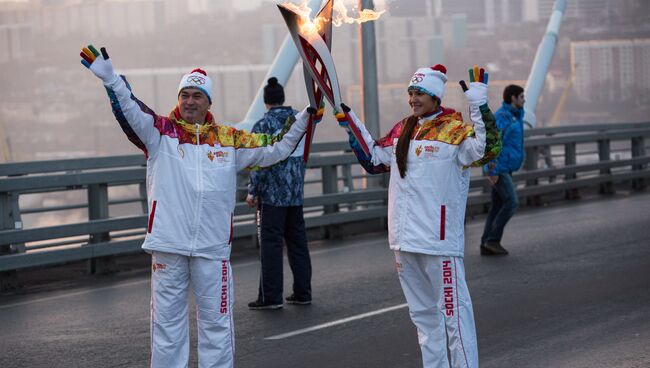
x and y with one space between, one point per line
113 81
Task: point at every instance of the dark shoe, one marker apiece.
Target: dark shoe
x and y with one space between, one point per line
258 305
291 299
485 251
493 249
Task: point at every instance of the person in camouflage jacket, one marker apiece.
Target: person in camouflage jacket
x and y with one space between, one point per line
278 192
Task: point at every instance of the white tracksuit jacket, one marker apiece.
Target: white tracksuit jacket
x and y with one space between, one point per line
426 209
191 187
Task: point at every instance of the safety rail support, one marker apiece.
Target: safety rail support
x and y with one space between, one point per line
330 185
570 159
530 164
604 154
638 150
10 219
98 210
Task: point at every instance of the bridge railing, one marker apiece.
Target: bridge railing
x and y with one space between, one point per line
559 162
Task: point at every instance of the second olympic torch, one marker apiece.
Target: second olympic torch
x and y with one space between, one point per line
313 38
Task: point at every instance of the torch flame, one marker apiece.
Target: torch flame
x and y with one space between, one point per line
307 25
341 15
310 26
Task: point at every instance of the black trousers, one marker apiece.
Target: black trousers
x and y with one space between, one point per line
286 223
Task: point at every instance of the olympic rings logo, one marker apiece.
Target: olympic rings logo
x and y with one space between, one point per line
417 78
194 79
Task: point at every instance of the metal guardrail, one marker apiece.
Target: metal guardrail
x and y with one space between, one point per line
587 163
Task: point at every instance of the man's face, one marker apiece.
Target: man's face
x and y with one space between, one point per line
518 101
193 105
421 103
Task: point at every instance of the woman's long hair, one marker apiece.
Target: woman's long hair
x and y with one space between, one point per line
402 151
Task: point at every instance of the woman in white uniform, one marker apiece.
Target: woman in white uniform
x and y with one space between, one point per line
428 155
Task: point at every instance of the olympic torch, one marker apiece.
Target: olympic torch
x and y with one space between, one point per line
313 39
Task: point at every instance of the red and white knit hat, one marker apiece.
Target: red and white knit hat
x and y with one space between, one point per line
198 79
430 80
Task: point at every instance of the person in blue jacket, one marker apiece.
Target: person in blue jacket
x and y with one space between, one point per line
499 171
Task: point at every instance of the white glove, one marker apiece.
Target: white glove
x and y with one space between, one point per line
477 94
303 115
99 64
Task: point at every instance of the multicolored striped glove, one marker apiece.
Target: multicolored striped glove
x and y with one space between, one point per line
100 65
340 116
318 114
477 93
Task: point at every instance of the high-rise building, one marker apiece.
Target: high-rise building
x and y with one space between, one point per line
611 70
412 8
15 42
475 11
587 9
455 31
404 44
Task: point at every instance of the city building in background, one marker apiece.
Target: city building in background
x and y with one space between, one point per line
613 70
15 42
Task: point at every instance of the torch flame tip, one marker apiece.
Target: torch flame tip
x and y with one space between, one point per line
310 26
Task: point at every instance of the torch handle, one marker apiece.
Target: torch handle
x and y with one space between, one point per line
309 136
357 133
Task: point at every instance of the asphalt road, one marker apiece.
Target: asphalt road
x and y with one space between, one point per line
574 292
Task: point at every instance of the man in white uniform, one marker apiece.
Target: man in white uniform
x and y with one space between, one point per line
191 175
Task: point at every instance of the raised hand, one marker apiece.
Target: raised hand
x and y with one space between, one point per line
317 113
477 91
340 116
99 64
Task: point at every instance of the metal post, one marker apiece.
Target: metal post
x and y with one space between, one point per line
348 183
548 160
368 66
532 158
17 222
330 185
638 150
329 178
5 220
569 160
604 155
8 204
10 219
98 209
368 73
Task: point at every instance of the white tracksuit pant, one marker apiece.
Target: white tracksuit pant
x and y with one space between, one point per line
440 308
211 281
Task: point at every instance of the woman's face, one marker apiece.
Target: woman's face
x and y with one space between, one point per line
421 103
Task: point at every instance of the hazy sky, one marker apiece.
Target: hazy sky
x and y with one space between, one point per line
243 5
